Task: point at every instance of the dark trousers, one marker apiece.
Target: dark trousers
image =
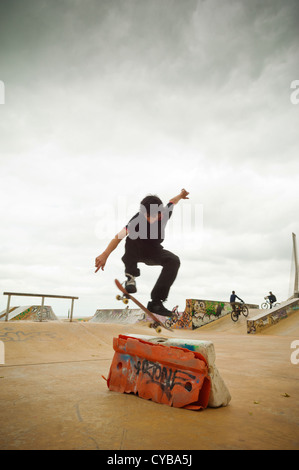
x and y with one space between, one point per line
158 257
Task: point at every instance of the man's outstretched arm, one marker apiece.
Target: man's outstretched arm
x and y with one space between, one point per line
183 195
102 258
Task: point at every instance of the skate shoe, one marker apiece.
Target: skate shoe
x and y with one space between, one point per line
130 284
156 306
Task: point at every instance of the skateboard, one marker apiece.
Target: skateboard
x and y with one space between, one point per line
156 323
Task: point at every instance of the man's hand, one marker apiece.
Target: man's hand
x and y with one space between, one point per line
100 262
101 259
184 194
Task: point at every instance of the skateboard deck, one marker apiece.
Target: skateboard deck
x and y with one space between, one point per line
146 311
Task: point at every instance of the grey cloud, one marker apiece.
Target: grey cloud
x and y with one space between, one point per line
113 99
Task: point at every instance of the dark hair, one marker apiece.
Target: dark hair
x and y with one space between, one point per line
151 205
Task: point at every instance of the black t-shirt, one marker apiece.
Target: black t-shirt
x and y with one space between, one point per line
148 234
233 298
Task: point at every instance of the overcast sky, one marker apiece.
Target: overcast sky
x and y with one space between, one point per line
107 101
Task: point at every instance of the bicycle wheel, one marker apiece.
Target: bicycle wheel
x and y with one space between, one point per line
234 316
245 310
264 305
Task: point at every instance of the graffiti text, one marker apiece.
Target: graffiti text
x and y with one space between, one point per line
164 376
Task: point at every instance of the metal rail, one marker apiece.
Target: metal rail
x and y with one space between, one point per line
43 296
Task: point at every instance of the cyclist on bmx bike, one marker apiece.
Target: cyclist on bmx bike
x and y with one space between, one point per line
270 301
237 307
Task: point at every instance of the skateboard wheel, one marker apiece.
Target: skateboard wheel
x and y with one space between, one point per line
118 297
158 329
125 301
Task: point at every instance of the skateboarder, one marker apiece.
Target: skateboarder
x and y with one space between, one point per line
145 234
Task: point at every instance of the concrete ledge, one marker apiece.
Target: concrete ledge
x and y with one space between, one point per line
270 317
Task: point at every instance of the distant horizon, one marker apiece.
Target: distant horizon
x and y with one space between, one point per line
131 306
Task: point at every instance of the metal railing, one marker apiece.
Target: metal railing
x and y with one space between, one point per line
43 296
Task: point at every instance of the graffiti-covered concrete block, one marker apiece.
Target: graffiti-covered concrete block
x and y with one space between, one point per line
219 395
165 374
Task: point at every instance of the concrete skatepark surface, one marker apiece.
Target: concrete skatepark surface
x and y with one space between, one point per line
53 395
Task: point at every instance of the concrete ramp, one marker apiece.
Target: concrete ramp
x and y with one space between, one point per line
29 312
28 342
126 316
200 312
279 321
269 318
13 312
227 326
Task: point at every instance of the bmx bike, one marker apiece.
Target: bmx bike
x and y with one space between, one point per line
239 308
174 318
268 304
